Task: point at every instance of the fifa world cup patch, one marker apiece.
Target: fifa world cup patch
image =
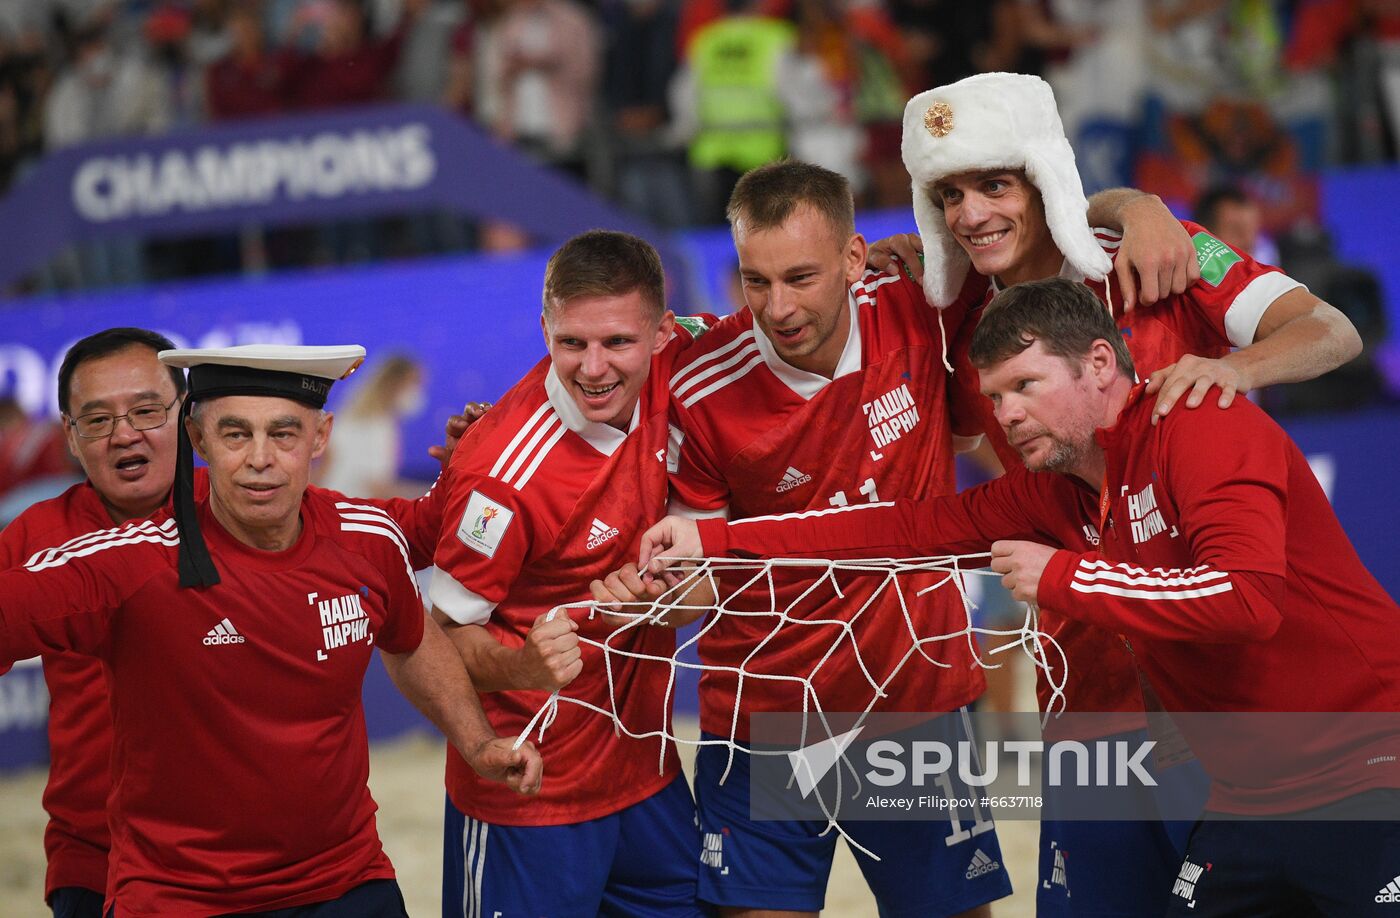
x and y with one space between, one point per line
1215 258
483 524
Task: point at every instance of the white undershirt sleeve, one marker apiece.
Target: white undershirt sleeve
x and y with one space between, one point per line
456 601
679 508
1242 318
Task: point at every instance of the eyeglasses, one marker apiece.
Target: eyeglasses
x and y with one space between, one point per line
101 424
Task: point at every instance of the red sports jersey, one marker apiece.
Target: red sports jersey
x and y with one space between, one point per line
541 503
1218 312
1226 568
77 838
760 436
240 757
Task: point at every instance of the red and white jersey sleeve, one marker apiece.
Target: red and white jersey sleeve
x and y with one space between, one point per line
53 605
76 838
420 520
1220 311
758 436
487 537
540 503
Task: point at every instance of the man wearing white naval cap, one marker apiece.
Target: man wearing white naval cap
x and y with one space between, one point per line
236 644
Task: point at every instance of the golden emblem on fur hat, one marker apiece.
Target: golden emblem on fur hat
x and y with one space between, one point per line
939 119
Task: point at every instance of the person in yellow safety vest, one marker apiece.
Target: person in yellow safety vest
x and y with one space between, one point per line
734 64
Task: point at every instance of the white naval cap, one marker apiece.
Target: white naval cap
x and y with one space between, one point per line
300 373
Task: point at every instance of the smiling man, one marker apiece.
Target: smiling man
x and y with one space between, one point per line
552 489
829 390
240 756
1225 567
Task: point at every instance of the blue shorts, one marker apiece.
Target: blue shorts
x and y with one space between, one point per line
372 899
1118 869
638 861
1288 869
925 869
75 902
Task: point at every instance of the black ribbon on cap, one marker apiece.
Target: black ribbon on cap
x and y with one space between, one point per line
215 381
196 566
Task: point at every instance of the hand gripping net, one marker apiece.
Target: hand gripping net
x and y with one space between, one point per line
736 584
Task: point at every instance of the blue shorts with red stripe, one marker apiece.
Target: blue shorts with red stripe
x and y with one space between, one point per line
640 861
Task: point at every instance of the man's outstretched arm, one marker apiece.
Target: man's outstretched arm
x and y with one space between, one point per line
432 677
1020 505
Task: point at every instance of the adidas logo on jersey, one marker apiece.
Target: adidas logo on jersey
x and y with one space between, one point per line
599 533
792 478
223 633
981 865
1390 892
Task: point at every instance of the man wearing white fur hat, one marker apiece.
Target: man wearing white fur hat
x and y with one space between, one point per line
996 191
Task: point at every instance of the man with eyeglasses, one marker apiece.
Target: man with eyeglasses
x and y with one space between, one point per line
119 409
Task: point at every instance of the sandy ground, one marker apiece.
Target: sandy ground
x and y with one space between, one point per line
406 778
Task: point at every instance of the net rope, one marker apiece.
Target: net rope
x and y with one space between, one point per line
754 577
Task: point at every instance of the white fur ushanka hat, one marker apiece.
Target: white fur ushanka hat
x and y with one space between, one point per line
993 121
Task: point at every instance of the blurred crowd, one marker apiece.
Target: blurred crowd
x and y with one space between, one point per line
660 104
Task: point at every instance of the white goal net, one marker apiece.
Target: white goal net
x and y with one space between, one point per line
776 597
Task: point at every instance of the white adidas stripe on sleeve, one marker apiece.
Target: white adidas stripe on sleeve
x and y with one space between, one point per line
714 369
520 435
100 535
367 513
524 453
718 384
145 533
717 354
387 530
1130 582
529 472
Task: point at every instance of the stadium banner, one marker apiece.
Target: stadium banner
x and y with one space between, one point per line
360 162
